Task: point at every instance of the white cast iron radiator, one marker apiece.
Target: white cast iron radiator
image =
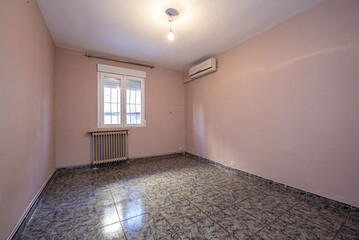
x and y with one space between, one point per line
109 146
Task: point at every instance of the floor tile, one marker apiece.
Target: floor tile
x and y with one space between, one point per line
134 207
205 229
174 198
258 208
182 213
148 226
192 191
96 216
322 215
163 197
254 237
127 194
307 230
273 231
49 228
109 232
299 226
237 222
210 202
350 229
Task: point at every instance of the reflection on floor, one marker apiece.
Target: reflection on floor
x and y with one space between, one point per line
178 198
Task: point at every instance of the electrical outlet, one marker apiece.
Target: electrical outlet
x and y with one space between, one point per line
179 148
231 163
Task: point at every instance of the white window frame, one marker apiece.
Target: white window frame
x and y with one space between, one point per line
123 74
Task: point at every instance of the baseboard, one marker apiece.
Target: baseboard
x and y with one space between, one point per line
30 206
164 155
309 195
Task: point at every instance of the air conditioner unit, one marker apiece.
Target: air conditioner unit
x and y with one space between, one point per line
204 68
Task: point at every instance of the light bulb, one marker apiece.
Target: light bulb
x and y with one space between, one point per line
171 36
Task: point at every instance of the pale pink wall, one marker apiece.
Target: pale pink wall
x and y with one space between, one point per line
284 105
27 139
76 109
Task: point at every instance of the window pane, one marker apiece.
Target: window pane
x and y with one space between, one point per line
107 119
112 100
133 102
114 119
138 118
133 97
133 108
114 108
107 108
138 97
107 94
114 94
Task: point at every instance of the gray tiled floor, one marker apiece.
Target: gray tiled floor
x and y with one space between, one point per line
178 198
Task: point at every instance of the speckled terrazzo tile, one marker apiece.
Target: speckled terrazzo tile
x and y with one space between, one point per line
125 185
226 181
209 187
242 195
49 228
322 215
203 230
109 232
127 194
94 198
273 231
59 198
96 216
32 234
134 207
54 206
258 208
237 222
209 209
254 237
64 235
293 216
148 226
209 203
45 219
164 197
182 213
308 230
347 234
300 226
242 187
279 209
280 199
208 197
230 195
350 228
192 191
167 182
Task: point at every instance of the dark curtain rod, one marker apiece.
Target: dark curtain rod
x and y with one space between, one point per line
114 60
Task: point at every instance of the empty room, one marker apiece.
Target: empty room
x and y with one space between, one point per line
179 119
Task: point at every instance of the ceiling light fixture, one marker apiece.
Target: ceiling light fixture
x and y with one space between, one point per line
171 13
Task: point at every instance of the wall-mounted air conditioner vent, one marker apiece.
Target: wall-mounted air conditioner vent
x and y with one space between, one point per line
204 68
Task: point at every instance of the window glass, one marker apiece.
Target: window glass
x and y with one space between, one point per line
117 94
112 100
133 108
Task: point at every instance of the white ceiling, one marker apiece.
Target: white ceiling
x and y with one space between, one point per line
137 29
